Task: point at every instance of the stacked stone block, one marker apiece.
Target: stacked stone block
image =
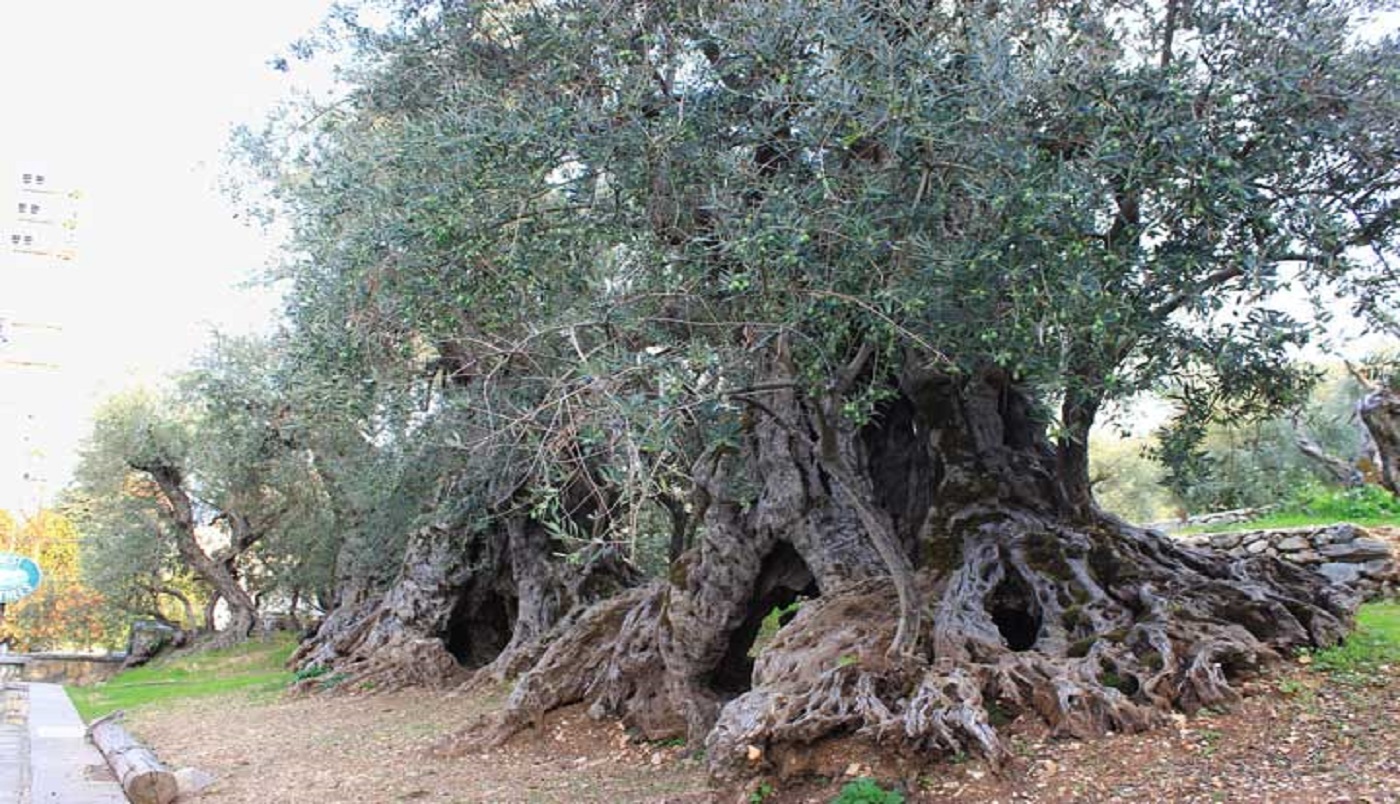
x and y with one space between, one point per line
1347 554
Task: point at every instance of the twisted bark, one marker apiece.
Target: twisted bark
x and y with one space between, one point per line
468 604
1030 605
217 571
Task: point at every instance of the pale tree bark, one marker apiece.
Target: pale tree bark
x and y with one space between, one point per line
1341 472
1380 411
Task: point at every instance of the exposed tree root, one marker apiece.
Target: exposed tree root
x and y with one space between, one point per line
606 655
1169 633
1126 628
774 633
398 639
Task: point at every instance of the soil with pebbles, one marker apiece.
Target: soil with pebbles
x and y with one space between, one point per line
1299 736
378 748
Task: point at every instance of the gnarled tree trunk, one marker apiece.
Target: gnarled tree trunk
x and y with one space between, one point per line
1032 606
467 603
217 572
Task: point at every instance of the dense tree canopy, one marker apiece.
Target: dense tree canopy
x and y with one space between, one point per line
593 213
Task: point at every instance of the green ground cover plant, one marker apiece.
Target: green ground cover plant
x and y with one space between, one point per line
255 668
867 791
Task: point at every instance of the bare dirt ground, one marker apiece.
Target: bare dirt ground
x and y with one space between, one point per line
378 748
1300 736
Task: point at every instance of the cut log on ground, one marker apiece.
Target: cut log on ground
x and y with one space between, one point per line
143 778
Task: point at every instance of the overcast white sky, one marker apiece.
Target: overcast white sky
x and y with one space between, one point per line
131 102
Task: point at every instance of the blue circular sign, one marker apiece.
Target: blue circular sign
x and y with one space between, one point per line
19 576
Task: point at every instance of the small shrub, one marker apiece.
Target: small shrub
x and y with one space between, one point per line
1210 741
314 671
867 791
761 793
334 680
1298 691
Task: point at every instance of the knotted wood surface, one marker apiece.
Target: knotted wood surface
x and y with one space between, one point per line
142 776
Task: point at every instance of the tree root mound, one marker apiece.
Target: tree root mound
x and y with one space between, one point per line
468 608
1085 631
605 655
1171 631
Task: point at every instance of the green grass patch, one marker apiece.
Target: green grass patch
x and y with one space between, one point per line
1371 652
254 670
1367 506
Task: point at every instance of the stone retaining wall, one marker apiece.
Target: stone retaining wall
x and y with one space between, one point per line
1345 553
1212 518
59 668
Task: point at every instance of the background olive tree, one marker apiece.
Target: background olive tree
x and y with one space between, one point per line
202 481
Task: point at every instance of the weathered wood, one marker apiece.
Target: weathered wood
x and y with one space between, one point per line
1030 608
1380 411
143 778
468 605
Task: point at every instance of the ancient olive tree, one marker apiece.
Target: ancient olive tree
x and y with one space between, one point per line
838 288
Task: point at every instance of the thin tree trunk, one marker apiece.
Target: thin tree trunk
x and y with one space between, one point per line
210 608
1341 472
1077 415
186 607
292 606
180 512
